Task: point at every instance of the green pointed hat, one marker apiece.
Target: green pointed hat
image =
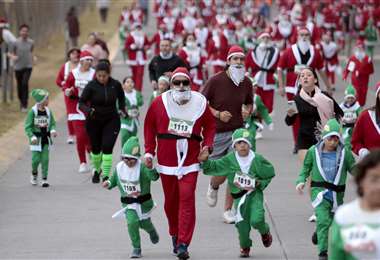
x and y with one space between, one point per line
39 94
131 148
350 91
242 134
332 128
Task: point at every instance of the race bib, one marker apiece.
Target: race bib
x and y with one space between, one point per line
133 112
362 241
80 84
244 181
41 121
180 127
349 117
131 188
298 68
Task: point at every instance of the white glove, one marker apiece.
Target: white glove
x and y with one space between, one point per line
133 46
67 92
271 126
300 187
363 152
34 139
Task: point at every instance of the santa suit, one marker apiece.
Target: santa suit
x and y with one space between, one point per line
207 10
360 72
263 64
195 61
177 160
137 16
202 35
78 80
135 45
217 49
315 32
290 60
329 53
63 74
186 25
366 134
284 35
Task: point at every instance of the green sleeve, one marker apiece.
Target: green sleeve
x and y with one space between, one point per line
336 251
29 124
151 174
140 99
52 122
113 180
267 170
358 111
307 166
219 167
350 160
263 111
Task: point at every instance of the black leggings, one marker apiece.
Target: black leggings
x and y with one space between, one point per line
22 78
103 134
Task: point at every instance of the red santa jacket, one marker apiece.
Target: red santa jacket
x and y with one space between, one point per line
158 133
194 61
63 74
360 70
329 53
217 49
78 80
135 46
290 58
366 134
284 36
263 73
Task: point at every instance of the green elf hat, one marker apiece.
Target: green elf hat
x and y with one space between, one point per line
39 95
350 92
332 128
131 148
242 134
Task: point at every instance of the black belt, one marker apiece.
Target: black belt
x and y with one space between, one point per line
140 199
329 186
349 125
266 70
39 134
239 194
172 136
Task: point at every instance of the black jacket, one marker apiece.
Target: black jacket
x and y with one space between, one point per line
158 66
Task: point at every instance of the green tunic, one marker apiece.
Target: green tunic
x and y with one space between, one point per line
129 125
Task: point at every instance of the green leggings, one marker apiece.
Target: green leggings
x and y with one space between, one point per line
253 214
134 224
43 159
324 221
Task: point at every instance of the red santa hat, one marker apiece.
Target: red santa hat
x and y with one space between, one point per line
3 22
304 29
359 44
86 55
180 71
263 34
235 50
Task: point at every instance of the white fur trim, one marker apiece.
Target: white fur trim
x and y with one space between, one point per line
173 170
241 139
148 155
235 53
179 74
86 58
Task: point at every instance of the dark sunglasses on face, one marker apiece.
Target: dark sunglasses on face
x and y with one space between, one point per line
128 159
178 82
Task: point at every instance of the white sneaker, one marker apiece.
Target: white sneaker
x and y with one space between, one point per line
33 179
83 168
70 139
212 196
313 218
44 183
229 216
259 135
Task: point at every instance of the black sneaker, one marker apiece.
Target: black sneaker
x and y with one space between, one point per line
95 177
295 149
104 178
154 238
44 183
183 254
267 239
174 243
314 238
244 252
323 255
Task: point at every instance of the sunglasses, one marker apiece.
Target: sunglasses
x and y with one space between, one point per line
128 159
178 82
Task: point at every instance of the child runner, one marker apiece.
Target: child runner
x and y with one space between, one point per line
248 174
163 85
40 127
133 101
133 180
351 109
327 164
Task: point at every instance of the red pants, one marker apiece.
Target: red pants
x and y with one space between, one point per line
138 76
82 140
330 76
361 94
296 125
70 126
267 98
180 205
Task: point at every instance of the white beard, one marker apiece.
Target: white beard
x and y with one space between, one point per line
329 49
285 28
359 54
236 74
304 46
181 96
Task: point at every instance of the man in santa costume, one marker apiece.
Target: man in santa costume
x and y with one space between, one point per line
177 125
300 55
186 24
284 33
64 71
136 45
329 51
192 55
217 49
262 62
161 34
75 83
361 67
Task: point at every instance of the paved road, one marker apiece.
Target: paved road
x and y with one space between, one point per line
72 218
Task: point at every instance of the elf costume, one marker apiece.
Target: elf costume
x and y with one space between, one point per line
371 37
247 178
328 172
351 113
158 92
129 125
39 124
134 186
355 233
